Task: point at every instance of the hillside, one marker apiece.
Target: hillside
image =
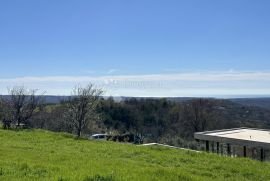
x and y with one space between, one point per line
43 155
258 102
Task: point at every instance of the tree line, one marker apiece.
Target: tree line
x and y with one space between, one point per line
86 111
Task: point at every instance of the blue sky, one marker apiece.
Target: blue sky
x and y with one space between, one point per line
128 47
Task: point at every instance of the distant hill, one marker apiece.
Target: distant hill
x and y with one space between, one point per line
257 102
251 102
48 99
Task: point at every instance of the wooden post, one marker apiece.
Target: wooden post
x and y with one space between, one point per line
213 146
221 149
207 146
198 144
262 154
217 147
245 151
228 149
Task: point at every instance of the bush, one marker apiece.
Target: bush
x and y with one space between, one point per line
99 178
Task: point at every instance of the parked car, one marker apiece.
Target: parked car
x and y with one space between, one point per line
99 137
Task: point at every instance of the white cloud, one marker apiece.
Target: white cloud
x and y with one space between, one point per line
178 84
111 71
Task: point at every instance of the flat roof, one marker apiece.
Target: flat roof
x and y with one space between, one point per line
239 136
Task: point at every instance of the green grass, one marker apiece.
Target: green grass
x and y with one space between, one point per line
43 155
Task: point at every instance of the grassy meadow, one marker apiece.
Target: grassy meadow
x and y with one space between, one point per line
43 155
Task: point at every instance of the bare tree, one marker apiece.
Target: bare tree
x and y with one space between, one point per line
20 104
196 114
82 106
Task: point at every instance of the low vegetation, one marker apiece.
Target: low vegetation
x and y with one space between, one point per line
43 155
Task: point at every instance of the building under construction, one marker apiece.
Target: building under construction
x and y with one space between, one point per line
238 142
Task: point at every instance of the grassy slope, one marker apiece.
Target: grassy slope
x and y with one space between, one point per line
41 155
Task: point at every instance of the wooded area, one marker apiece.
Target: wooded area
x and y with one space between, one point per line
156 120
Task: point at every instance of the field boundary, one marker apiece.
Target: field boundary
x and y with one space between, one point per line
169 146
